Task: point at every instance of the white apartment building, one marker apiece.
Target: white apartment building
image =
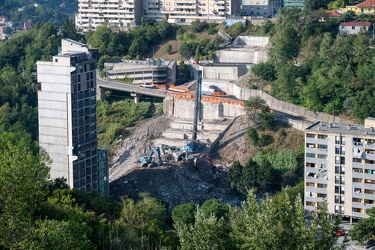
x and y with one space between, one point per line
186 11
128 13
115 13
67 117
340 167
260 8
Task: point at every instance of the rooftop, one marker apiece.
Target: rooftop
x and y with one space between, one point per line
367 4
337 128
362 24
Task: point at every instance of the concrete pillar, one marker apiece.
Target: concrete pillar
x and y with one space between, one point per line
100 93
137 97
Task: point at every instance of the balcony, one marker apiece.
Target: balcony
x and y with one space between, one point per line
313 199
316 141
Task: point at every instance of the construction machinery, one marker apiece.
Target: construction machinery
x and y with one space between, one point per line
148 160
179 155
214 167
190 146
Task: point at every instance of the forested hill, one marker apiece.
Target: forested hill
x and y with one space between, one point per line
38 11
313 66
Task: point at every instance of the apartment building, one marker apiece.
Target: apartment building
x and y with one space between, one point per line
186 11
258 8
128 13
340 167
115 13
67 117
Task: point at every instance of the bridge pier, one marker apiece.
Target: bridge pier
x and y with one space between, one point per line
137 97
100 93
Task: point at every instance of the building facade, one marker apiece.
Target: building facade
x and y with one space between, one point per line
67 117
294 3
116 13
128 13
340 168
140 72
257 8
351 28
179 11
365 7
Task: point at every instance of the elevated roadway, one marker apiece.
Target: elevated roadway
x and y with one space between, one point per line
136 90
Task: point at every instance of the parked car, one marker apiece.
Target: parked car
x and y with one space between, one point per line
340 232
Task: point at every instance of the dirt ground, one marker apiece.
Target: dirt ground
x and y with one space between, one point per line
176 182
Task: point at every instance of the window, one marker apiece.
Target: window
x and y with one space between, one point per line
322 156
339 160
338 151
310 155
337 170
339 209
339 180
339 199
339 190
353 27
323 147
56 60
357 160
310 135
322 137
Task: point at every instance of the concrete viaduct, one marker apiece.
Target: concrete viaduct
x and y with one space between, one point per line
181 107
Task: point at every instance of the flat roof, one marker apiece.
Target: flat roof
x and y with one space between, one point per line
338 128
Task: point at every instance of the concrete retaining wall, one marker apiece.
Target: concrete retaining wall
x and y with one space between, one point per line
273 103
185 109
252 40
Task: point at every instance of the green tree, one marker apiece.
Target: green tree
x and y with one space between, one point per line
147 218
272 223
259 112
199 26
364 229
184 214
64 235
208 232
252 134
69 30
22 174
215 207
101 38
265 70
168 48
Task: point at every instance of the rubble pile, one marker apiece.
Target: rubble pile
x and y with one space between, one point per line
176 182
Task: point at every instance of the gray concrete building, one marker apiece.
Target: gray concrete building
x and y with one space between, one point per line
245 49
139 72
340 167
259 8
67 117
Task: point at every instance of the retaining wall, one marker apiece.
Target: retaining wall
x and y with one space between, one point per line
185 108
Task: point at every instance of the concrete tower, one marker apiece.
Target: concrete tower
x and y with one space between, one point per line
67 117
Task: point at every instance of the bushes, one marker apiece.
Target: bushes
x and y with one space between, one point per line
198 26
114 117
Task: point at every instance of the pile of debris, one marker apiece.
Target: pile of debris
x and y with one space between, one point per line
193 179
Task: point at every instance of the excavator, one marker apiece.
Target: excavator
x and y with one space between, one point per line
148 159
214 167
